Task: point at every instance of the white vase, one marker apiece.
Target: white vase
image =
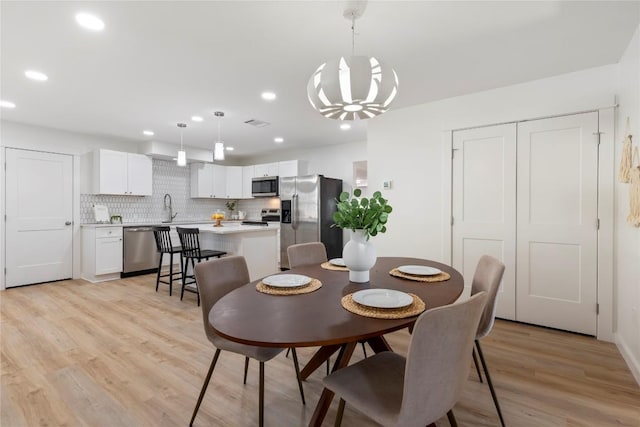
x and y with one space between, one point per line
359 256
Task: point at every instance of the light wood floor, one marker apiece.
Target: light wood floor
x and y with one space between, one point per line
120 354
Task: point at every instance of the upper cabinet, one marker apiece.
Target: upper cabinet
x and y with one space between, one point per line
292 168
266 169
234 182
201 180
247 176
117 172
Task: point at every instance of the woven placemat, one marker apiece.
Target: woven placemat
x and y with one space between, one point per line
427 279
266 289
328 266
416 307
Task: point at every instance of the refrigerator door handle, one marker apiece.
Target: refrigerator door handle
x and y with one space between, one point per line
294 211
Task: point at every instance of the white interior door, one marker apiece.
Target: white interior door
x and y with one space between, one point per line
39 215
484 205
557 198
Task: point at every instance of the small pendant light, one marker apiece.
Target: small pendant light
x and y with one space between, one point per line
182 155
218 148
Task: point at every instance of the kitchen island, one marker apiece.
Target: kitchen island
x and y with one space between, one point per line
258 244
102 246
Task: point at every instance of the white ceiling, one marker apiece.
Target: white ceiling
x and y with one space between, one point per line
158 63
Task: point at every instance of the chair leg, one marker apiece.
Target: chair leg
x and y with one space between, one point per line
338 422
159 269
204 386
261 397
246 368
452 419
475 362
295 365
364 349
184 276
287 353
170 271
328 367
488 377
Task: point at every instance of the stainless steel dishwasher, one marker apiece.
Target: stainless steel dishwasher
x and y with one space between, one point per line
140 254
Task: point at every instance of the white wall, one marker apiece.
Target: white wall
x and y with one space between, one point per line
627 238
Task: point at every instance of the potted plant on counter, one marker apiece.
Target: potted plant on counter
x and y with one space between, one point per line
231 205
365 218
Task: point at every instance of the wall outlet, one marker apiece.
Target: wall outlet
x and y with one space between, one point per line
387 184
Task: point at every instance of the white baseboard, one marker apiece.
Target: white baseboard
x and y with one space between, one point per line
632 362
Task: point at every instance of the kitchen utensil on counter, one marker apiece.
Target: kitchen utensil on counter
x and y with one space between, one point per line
241 214
116 219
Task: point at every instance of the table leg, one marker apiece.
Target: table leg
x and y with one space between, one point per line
379 344
318 359
327 395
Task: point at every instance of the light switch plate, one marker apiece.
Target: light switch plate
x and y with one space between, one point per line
387 184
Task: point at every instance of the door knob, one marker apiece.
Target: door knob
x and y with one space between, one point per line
67 223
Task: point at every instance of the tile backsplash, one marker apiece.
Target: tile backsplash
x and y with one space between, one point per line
168 178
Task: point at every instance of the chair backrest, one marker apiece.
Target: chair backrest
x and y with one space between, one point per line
438 360
215 279
189 241
306 254
163 238
487 278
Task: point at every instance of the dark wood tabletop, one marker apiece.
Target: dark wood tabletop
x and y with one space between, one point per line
317 318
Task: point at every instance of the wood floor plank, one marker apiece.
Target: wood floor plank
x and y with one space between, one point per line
119 354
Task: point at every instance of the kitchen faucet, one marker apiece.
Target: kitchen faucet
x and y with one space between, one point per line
170 207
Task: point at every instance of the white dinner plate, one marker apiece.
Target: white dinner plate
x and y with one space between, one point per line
286 280
337 261
419 270
382 298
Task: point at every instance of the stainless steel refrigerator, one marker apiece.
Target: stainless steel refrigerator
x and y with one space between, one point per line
307 204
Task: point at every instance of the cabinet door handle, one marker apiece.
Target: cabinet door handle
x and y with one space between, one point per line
67 223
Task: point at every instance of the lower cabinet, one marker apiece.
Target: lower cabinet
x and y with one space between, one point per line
101 253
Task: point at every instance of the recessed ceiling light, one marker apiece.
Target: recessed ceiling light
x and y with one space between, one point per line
345 126
36 75
228 148
7 104
196 118
268 96
278 140
148 132
89 21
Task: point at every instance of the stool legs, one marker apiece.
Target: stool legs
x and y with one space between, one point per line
159 269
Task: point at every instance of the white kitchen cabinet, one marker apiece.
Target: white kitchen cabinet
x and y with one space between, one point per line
201 180
266 169
219 182
292 168
247 176
118 172
101 253
234 182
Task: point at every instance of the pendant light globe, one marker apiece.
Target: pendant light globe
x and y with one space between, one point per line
355 87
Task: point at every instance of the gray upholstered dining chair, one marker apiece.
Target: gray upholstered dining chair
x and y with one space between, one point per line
487 278
215 279
425 386
306 254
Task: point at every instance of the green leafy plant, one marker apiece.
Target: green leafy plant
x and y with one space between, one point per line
360 213
231 205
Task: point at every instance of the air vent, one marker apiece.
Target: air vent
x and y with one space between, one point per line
257 123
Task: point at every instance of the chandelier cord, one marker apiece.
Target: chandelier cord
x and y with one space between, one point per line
353 34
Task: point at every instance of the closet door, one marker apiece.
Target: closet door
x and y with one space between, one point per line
484 205
557 199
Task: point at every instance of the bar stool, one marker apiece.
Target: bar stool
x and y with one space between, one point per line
190 242
164 246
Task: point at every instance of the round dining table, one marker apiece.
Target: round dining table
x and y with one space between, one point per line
248 316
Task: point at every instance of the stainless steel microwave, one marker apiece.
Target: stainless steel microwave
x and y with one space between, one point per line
264 186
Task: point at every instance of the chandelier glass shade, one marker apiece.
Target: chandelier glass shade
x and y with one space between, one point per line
359 87
218 147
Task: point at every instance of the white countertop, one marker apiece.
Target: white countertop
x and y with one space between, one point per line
228 227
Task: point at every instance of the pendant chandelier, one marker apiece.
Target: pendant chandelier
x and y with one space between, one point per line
218 148
359 87
182 155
